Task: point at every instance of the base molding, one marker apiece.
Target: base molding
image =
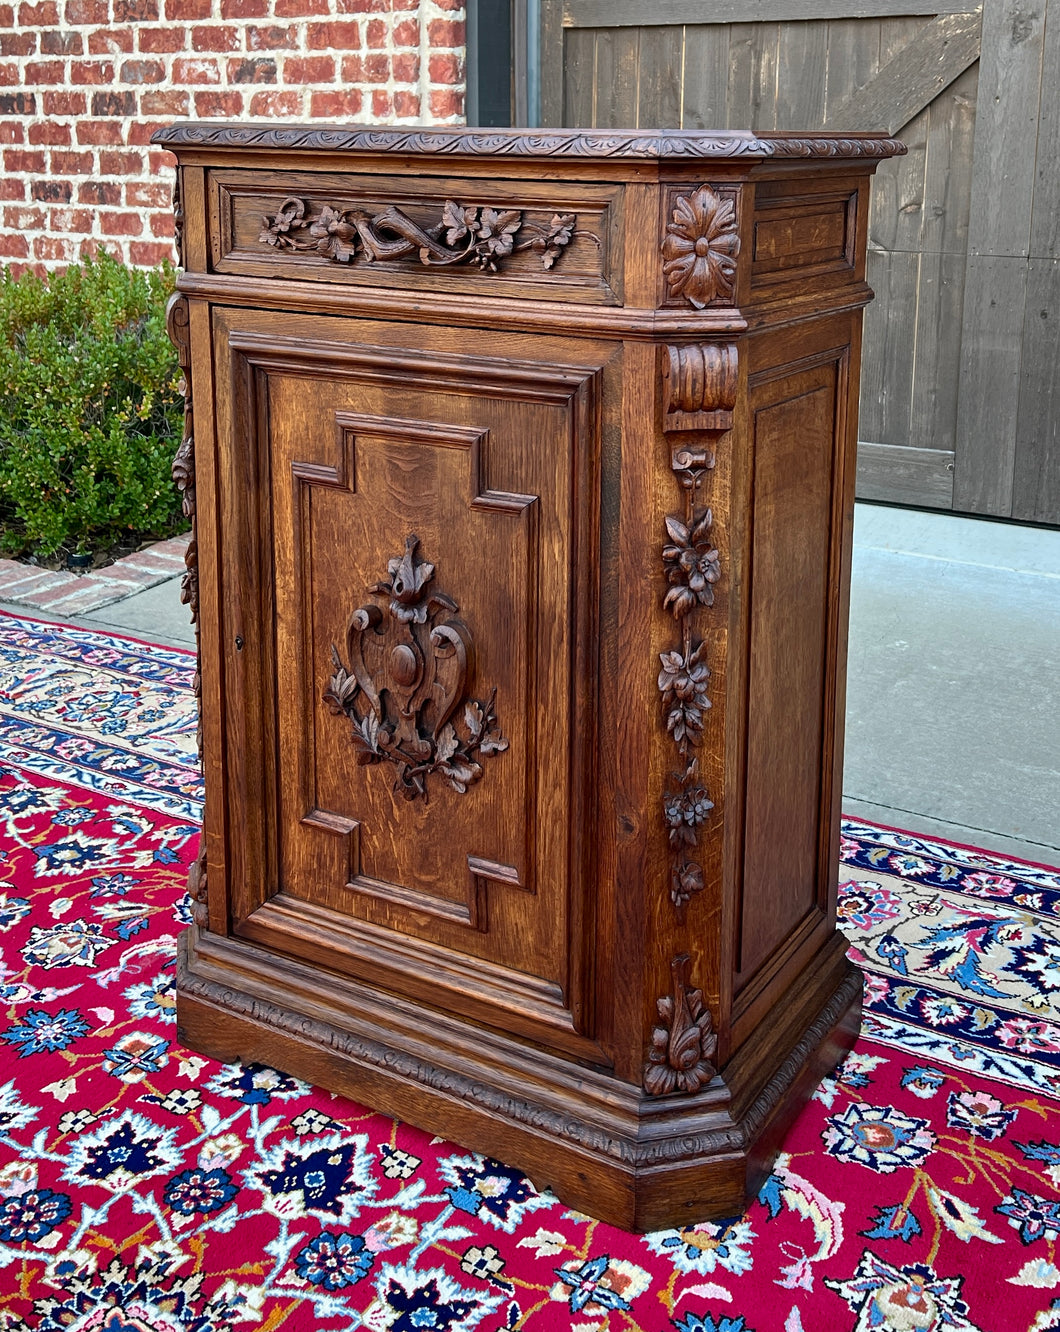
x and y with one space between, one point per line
601 1144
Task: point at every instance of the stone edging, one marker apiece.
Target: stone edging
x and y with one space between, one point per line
64 593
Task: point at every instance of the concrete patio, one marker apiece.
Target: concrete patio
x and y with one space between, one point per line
953 725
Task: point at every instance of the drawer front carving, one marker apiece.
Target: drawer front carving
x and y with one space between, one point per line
422 551
479 236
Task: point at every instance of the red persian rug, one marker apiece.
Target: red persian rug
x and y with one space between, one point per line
144 1188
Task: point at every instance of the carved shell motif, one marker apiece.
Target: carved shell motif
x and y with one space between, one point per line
700 249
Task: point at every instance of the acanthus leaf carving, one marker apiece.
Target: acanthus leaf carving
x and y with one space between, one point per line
407 679
700 249
481 236
683 1046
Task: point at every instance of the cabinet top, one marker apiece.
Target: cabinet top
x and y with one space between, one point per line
655 145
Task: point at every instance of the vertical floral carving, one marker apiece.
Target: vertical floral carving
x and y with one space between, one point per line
177 324
683 1046
700 249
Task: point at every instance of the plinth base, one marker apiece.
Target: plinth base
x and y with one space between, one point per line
603 1146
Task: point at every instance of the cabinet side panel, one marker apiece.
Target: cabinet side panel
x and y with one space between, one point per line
788 672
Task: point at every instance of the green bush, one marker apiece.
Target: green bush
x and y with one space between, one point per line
90 409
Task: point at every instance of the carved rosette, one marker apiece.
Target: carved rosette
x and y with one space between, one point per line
700 249
410 661
683 1046
482 237
177 325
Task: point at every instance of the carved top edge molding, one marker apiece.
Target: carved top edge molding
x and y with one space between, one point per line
527 143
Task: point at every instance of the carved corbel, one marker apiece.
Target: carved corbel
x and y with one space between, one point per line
699 387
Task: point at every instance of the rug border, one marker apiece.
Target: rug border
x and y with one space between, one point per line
97 629
948 841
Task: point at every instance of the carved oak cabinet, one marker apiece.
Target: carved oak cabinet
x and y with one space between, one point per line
522 472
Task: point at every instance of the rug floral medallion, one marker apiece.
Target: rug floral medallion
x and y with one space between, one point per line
145 1188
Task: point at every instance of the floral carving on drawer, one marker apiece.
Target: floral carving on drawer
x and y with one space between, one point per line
700 249
479 236
409 664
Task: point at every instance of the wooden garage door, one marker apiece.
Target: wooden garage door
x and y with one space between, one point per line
960 396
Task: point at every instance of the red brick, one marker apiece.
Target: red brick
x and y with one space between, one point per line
438 4
11 131
162 224
188 9
53 191
54 248
18 159
365 6
38 270
445 32
7 16
160 161
100 131
218 103
11 188
446 68
406 4
121 224
406 105
9 76
157 102
446 102
21 43
375 33
96 72
276 104
315 69
24 219
161 40
76 164
13 246
140 132
382 104
300 8
65 104
136 11
87 11
347 103
187 70
78 220
148 254
44 15
49 131
142 71
99 192
333 36
271 39
44 71
18 104
244 8
257 70
372 68
110 41
215 38
407 33
405 68
148 194
120 164
114 104
61 43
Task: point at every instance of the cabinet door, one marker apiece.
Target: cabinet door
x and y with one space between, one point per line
409 537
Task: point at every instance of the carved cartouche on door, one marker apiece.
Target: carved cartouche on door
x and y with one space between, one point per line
410 662
483 237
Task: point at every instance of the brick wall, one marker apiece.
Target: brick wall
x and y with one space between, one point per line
84 83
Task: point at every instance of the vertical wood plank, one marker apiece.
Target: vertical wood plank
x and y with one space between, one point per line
659 98
1036 483
948 176
1010 71
705 89
753 76
802 60
936 365
889 347
551 43
579 77
853 59
617 77
1045 215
